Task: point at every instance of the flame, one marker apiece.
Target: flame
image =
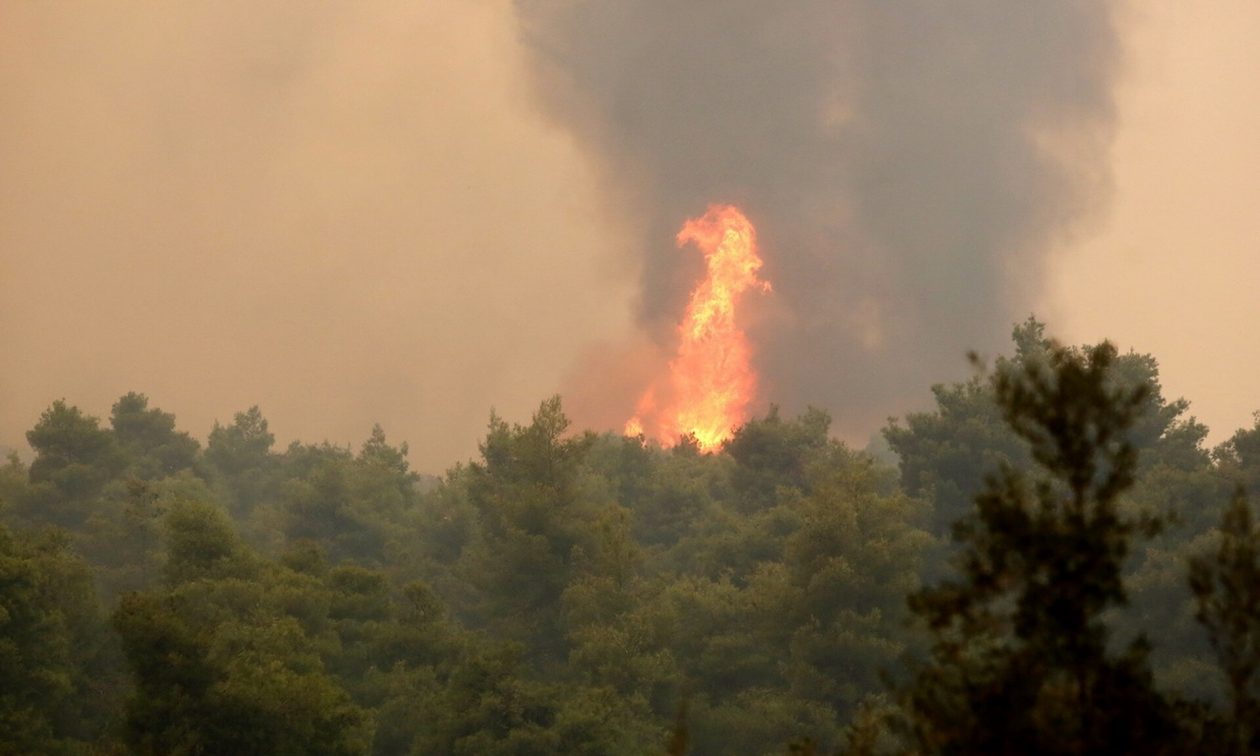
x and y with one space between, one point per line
711 380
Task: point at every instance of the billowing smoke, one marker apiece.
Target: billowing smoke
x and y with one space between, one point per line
908 164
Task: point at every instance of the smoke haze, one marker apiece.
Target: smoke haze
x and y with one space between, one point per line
345 213
408 213
1173 269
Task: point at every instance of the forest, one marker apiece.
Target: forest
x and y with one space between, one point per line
1051 560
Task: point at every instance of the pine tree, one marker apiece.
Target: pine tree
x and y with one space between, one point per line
1020 660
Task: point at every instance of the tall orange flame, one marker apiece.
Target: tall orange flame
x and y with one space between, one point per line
711 380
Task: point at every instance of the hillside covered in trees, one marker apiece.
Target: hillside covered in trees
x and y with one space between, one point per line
1049 561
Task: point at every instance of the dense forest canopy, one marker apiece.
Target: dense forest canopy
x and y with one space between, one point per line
1053 563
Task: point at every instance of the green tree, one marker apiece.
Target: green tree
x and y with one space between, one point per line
947 454
1240 457
771 453
1227 593
530 521
667 492
322 501
227 656
60 681
849 567
351 506
74 459
122 539
150 439
1020 658
241 453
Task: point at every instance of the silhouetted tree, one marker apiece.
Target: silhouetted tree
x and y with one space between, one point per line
1020 662
1227 593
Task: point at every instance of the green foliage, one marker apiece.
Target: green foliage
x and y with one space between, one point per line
60 681
1020 657
1227 594
149 437
771 453
572 593
531 524
14 483
946 455
1240 456
241 454
74 459
224 658
849 567
202 544
774 619
320 504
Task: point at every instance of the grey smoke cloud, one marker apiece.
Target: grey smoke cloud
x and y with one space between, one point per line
908 164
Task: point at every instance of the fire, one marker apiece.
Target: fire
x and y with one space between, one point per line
711 380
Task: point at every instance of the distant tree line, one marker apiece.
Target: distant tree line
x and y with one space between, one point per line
1052 562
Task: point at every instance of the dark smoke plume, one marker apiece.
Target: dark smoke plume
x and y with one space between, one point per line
908 163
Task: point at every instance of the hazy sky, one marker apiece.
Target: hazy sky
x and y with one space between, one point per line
346 213
1173 267
358 213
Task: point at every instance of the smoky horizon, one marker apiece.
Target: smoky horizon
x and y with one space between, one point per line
415 216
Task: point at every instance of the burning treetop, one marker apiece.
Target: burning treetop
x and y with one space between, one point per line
711 380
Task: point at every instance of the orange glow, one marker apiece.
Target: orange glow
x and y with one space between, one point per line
711 380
